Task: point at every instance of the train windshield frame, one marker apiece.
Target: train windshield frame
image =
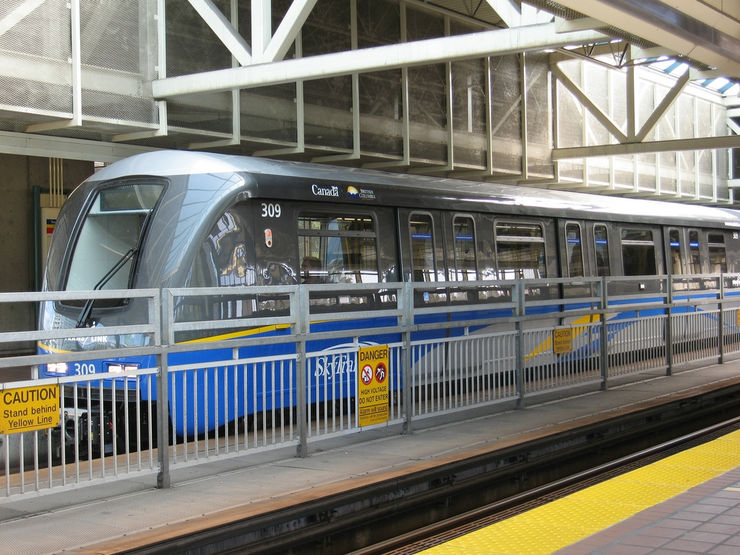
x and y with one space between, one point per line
108 242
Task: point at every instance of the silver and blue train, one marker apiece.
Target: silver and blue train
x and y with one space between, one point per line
175 219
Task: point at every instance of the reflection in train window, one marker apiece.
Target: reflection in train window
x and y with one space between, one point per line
694 257
717 256
601 247
464 238
674 241
225 257
337 249
574 251
423 263
638 252
520 250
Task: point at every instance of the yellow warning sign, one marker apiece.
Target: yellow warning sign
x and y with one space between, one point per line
24 409
562 340
372 385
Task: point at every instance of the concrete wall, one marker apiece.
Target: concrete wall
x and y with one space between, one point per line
18 176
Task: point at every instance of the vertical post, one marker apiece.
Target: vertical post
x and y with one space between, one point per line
406 299
604 334
721 319
302 318
518 296
163 420
669 326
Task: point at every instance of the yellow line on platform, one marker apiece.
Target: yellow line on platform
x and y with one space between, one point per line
570 519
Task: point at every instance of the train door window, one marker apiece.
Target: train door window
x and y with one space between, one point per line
638 252
694 252
674 242
601 248
337 249
520 250
574 250
717 255
423 263
464 240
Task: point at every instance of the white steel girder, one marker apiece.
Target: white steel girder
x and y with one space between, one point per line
380 58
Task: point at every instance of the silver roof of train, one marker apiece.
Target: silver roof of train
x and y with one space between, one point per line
175 162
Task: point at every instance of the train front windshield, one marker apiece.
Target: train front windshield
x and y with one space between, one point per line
104 256
105 252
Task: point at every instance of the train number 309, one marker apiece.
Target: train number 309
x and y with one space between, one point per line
84 368
271 210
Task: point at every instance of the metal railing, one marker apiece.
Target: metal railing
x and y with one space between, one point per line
248 369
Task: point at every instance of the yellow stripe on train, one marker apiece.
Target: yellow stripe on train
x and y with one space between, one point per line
221 337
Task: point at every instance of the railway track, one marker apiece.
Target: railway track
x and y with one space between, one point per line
459 525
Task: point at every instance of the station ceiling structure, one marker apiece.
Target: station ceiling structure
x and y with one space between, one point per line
629 97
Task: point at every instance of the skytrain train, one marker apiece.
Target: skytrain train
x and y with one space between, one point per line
175 219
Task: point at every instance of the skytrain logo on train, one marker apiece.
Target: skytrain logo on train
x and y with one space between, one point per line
338 360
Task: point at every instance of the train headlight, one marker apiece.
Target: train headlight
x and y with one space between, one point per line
121 367
57 368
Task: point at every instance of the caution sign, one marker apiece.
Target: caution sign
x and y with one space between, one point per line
372 385
25 409
562 340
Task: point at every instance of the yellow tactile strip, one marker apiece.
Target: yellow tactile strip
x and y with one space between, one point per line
570 519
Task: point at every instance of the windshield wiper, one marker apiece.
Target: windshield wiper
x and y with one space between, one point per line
87 308
128 255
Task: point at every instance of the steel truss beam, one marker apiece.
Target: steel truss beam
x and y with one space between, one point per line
633 141
380 58
671 145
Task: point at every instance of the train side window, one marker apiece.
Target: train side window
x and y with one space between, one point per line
573 248
520 250
337 249
694 252
601 248
717 255
464 240
423 263
638 252
674 241
225 258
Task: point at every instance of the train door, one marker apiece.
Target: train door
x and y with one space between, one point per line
602 247
575 256
693 260
732 246
462 257
422 249
675 250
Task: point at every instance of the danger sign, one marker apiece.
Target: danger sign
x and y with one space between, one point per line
372 386
25 409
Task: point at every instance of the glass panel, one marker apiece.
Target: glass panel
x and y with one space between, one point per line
422 248
674 239
574 250
520 251
638 252
465 266
717 256
694 257
337 249
601 246
105 252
